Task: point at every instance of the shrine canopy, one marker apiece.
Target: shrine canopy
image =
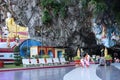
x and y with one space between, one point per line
27 44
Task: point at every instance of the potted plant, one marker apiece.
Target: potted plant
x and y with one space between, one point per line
108 59
37 57
45 56
77 60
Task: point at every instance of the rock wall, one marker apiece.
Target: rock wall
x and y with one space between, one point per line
73 30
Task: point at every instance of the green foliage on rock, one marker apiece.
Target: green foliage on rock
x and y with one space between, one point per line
117 17
53 8
62 12
47 3
46 18
98 6
58 8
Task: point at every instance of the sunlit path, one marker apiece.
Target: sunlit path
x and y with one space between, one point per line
83 73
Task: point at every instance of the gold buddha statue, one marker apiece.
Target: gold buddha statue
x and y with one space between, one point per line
14 29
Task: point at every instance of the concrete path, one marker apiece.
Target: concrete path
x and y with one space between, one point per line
109 72
117 65
36 74
83 73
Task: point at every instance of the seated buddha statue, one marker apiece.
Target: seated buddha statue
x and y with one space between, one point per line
12 26
14 29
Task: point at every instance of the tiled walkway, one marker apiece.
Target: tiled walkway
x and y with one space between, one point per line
83 73
36 74
117 65
94 72
109 72
28 68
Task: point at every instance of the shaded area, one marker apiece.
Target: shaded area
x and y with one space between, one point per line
36 74
108 72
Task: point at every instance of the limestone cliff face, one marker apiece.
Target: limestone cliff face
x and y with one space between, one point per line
73 30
